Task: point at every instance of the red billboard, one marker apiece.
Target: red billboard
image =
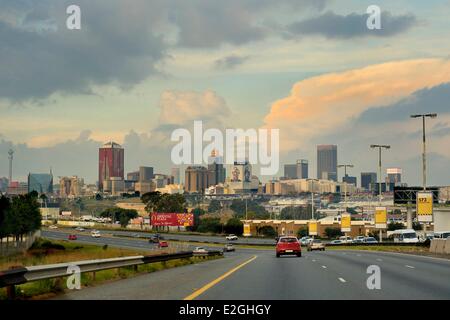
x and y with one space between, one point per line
172 219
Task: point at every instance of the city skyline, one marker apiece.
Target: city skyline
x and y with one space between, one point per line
303 74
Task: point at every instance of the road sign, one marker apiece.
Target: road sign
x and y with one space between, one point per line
312 226
346 222
424 206
380 217
247 232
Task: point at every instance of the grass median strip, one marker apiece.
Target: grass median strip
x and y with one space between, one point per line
51 252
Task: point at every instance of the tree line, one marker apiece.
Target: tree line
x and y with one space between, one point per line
19 215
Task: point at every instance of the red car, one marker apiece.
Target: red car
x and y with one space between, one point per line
72 237
288 245
163 244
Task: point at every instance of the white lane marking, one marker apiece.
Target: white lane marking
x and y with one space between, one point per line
342 280
358 255
379 259
324 267
411 267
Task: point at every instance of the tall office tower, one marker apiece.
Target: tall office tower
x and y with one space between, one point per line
175 173
368 179
40 182
216 170
110 162
394 176
327 162
145 173
296 171
196 179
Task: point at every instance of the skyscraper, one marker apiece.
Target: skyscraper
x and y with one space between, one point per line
110 162
368 179
296 171
327 162
216 171
40 182
175 172
196 179
394 176
145 173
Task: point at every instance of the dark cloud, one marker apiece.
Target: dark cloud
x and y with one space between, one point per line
120 44
331 25
427 100
230 62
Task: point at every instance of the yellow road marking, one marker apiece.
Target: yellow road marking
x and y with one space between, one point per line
216 281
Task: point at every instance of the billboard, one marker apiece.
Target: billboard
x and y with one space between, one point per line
346 222
247 232
380 217
312 226
424 206
172 219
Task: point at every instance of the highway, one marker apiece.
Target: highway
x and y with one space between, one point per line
258 274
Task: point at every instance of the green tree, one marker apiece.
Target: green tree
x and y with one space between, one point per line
302 232
417 226
258 211
214 206
234 226
98 197
295 213
395 226
4 207
23 215
267 231
212 225
333 233
119 214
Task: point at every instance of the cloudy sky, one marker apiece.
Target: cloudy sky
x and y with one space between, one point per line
138 69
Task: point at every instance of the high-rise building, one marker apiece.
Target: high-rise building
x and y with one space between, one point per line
296 171
368 179
175 172
40 182
4 183
145 173
133 176
216 170
394 176
327 162
196 179
70 186
110 162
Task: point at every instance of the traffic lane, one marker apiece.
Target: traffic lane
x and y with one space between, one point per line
285 278
139 244
400 279
169 284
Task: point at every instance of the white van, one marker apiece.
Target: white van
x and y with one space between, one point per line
346 239
405 236
442 235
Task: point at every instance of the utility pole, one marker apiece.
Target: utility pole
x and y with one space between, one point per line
345 166
10 157
424 153
387 147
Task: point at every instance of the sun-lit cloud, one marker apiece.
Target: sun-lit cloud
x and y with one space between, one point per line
324 104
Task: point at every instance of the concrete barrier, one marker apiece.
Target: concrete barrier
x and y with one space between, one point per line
438 246
447 246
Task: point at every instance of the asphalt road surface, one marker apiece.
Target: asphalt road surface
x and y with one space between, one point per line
258 274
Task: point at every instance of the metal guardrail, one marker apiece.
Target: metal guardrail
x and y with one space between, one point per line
21 275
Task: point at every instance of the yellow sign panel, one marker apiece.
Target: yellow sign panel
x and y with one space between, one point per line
425 206
380 217
346 222
247 232
312 226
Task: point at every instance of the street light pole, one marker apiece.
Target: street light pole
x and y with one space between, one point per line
345 166
387 147
424 152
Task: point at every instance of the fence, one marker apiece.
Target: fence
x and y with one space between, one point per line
9 246
11 278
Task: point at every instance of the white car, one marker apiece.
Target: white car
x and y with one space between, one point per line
80 229
231 237
95 234
199 250
53 226
345 239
